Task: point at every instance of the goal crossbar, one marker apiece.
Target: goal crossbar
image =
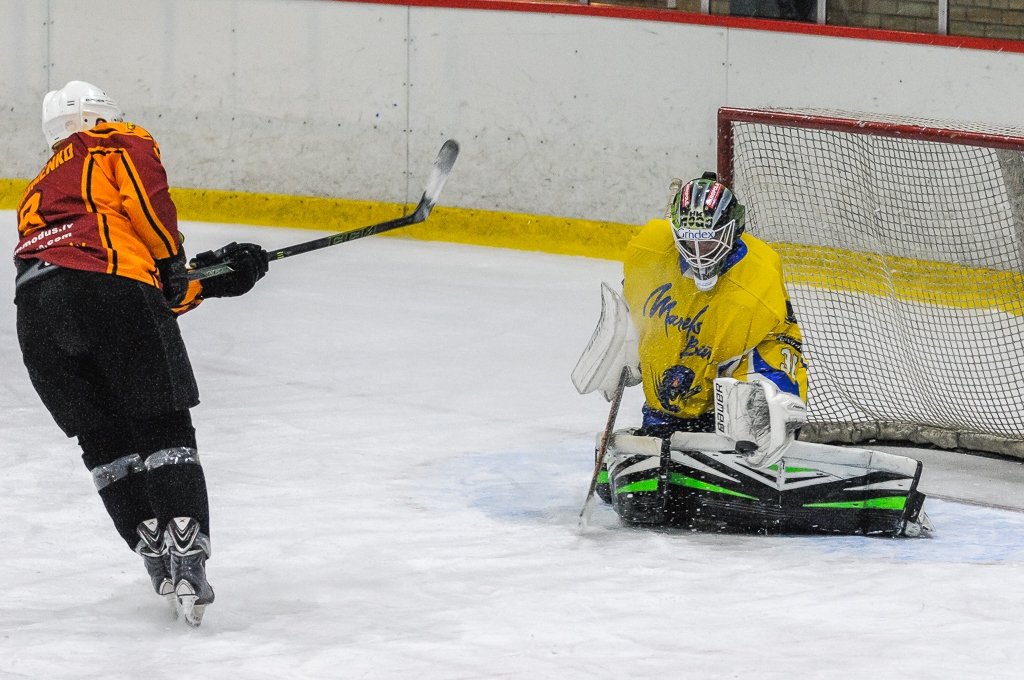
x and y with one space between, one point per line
856 126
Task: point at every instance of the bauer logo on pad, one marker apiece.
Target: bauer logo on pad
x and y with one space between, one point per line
719 408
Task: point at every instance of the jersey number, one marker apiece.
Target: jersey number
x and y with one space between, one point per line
789 361
29 219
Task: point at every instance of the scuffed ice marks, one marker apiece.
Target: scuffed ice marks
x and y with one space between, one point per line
517 485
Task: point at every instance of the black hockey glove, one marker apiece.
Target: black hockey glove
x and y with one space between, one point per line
173 278
248 260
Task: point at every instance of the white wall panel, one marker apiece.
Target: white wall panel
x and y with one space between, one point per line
583 118
277 96
564 115
23 83
326 81
780 69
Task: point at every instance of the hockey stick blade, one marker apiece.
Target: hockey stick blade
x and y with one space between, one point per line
438 176
613 413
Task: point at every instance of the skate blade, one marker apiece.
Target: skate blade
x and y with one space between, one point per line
167 592
172 603
190 611
187 604
922 526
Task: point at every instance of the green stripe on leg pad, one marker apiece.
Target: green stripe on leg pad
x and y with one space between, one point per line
643 485
792 469
683 480
886 503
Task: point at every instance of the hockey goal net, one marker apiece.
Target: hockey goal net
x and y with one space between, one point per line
903 246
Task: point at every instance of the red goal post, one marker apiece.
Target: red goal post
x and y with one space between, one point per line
902 241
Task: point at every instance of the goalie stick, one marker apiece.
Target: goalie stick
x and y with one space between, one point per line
442 166
599 463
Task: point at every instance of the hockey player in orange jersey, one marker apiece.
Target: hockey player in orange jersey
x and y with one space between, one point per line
101 279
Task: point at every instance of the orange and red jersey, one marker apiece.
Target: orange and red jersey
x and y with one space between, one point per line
102 204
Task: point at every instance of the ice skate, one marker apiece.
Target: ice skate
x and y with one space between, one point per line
915 528
156 557
189 549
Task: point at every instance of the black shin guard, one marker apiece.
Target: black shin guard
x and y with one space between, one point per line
177 486
174 477
148 468
122 486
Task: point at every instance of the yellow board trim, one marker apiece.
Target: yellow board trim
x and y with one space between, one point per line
272 210
921 281
11 191
911 280
558 235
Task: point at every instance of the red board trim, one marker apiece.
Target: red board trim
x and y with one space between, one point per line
677 17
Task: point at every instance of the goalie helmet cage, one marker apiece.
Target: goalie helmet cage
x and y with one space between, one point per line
902 241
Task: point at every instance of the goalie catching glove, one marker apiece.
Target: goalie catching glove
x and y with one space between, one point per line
759 417
248 263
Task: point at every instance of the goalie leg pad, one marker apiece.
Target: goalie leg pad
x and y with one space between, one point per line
814 489
602 488
636 482
857 491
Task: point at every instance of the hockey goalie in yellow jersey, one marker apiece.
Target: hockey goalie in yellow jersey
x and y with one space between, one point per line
709 302
706 325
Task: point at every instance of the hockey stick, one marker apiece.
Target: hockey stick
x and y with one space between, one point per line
599 463
442 166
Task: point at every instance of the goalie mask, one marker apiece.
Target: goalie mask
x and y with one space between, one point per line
707 221
75 107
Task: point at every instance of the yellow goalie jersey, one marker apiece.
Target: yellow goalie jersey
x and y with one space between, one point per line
742 327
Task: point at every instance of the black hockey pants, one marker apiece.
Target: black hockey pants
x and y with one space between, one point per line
106 357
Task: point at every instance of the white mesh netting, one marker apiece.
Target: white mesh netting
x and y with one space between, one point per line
903 260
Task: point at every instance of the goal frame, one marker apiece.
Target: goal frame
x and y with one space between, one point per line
917 130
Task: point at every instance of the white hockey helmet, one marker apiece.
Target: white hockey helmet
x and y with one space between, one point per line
75 107
707 221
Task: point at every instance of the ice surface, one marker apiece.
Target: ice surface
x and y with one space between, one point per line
396 458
